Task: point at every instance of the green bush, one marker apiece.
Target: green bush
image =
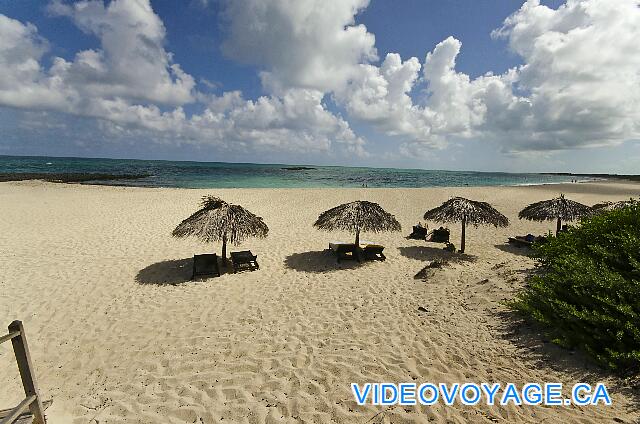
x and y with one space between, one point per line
587 293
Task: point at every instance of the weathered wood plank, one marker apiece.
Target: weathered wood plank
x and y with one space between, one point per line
9 336
23 358
25 417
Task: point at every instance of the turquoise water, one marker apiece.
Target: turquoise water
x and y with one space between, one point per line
249 175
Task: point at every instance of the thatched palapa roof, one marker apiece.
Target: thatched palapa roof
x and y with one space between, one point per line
458 209
357 216
612 206
558 208
218 220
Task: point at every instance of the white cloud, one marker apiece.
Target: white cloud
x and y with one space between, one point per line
22 83
132 62
580 73
131 79
299 43
578 86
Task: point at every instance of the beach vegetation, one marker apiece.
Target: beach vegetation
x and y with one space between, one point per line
586 294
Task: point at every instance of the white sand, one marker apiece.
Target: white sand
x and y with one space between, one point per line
281 344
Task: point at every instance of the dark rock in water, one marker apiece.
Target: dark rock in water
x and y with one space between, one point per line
70 177
297 168
422 309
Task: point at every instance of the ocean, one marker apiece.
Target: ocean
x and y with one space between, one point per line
163 173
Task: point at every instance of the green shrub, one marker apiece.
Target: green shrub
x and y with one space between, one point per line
587 293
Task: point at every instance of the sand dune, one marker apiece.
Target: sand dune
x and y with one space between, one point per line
119 335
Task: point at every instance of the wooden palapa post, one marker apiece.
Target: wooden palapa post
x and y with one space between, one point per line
464 225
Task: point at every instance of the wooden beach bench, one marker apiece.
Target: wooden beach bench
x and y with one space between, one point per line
345 251
205 265
348 251
419 233
440 235
244 260
523 241
374 252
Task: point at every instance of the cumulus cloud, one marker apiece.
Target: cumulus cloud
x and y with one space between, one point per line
133 85
299 43
580 72
130 67
23 83
578 86
132 62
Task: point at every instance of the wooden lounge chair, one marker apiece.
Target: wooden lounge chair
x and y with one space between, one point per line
440 235
345 251
419 233
205 266
374 252
244 260
526 241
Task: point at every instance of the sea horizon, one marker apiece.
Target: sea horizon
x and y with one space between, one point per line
213 174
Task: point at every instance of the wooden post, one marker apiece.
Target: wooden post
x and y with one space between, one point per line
23 358
224 250
464 226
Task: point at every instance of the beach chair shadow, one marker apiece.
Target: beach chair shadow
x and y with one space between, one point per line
510 248
170 272
318 262
428 253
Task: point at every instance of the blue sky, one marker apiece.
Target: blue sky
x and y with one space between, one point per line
310 82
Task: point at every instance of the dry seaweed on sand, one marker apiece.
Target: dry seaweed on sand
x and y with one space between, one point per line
425 272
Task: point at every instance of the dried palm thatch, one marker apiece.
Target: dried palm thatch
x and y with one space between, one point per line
612 206
560 208
218 220
467 211
356 217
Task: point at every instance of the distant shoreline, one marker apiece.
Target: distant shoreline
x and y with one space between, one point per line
603 176
70 177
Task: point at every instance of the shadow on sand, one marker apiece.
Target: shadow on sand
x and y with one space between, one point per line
538 351
170 272
318 261
520 251
174 271
428 253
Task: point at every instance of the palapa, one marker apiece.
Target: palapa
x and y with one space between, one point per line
218 220
356 217
612 206
459 209
560 209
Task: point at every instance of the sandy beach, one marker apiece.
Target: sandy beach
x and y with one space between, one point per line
119 334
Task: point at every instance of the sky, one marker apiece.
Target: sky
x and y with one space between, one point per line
487 85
